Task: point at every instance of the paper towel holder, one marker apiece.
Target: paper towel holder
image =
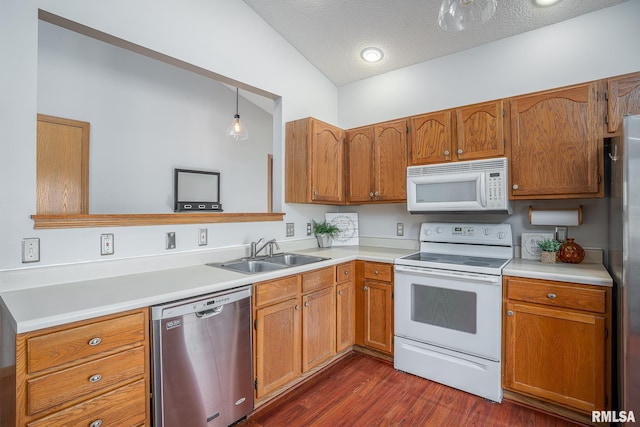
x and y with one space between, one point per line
555 216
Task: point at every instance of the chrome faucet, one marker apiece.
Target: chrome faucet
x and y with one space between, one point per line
255 250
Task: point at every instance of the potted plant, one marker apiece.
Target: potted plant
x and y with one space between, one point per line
549 249
325 232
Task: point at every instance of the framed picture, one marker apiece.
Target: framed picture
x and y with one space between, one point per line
348 225
529 245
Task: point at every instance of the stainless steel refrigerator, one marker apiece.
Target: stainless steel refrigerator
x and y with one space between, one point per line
624 259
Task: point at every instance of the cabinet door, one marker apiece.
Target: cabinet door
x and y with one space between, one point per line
62 166
360 164
378 316
556 144
480 131
556 355
431 138
277 345
318 327
391 161
623 97
345 315
327 163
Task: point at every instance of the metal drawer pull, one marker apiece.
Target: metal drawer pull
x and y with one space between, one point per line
95 341
95 378
96 423
552 296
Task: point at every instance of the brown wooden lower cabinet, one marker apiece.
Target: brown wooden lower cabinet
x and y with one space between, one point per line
557 346
374 306
93 372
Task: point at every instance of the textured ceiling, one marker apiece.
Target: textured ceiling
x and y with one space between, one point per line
331 33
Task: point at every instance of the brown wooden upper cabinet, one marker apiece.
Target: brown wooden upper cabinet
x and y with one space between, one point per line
314 162
377 162
623 97
556 144
470 132
62 166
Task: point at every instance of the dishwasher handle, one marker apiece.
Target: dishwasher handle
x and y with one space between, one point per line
209 313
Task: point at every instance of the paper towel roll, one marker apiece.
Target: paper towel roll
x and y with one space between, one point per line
570 216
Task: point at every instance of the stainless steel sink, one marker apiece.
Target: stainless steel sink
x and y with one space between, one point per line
248 266
267 263
294 259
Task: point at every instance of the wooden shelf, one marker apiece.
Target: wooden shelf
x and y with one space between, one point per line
126 220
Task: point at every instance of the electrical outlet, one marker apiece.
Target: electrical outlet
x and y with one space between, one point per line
290 229
400 229
106 244
308 229
561 234
31 250
171 240
202 237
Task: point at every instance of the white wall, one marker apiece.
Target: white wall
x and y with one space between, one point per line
590 47
207 34
147 118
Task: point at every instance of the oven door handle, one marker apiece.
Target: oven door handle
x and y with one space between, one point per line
428 272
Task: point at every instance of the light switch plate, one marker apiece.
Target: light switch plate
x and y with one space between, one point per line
202 237
31 250
290 229
171 240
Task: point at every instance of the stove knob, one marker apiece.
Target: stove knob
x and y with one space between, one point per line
428 232
439 230
501 235
487 231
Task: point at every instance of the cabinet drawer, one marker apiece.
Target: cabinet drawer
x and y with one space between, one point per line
317 279
344 272
276 290
56 348
557 294
53 389
123 406
378 271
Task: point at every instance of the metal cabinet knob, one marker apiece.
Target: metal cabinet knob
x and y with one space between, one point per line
459 150
306 303
315 192
346 273
552 296
371 194
515 186
509 313
96 423
376 194
446 153
95 341
366 288
376 272
95 378
340 292
297 307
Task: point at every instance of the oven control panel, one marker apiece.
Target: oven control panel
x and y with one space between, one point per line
487 234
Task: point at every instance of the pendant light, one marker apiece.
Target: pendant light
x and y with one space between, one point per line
237 131
458 15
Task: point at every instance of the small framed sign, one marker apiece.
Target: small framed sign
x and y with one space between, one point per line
530 249
196 190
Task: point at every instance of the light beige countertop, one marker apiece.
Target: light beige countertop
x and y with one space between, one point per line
41 307
583 273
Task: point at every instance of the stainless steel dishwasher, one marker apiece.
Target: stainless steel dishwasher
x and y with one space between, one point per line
202 360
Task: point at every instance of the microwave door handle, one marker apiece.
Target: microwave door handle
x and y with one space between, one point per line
483 190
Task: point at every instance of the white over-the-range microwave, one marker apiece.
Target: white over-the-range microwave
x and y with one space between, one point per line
470 186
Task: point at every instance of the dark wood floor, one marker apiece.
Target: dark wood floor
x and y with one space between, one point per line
360 390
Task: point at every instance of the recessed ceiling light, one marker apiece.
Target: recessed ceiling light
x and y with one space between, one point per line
371 54
545 3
